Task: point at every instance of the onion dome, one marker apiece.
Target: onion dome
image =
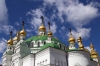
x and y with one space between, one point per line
71 38
49 32
42 28
17 38
80 43
23 32
94 54
10 41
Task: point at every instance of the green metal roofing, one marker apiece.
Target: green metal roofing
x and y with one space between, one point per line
44 37
50 45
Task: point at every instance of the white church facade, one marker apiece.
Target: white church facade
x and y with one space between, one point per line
46 50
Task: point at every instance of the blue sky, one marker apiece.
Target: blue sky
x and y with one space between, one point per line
82 16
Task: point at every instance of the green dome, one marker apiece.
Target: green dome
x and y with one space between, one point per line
44 37
50 45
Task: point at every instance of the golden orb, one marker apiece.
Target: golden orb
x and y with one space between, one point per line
23 32
94 53
10 41
16 38
42 28
71 40
49 33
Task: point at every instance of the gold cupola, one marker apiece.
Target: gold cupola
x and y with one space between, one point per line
17 37
71 39
94 54
42 27
10 41
23 32
49 32
81 47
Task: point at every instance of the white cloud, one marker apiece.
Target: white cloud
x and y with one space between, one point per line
53 27
17 24
2 45
87 47
76 13
3 12
4 27
83 32
36 20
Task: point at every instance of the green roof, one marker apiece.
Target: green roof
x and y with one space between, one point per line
44 37
50 45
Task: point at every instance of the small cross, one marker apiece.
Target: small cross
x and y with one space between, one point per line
23 23
42 19
49 25
70 30
11 34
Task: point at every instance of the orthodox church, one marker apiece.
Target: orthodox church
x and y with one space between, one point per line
46 50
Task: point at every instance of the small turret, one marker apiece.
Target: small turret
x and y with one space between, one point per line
49 33
42 28
71 41
22 32
94 54
81 47
16 38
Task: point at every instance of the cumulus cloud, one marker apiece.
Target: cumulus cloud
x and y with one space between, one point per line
77 14
3 12
2 45
83 32
4 27
35 21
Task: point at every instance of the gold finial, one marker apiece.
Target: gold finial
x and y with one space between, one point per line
94 54
49 32
23 32
10 41
71 39
42 27
81 47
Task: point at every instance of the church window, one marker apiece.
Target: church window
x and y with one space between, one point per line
38 44
33 44
60 46
10 47
44 42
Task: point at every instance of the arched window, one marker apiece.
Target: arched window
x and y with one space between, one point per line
38 44
44 42
10 48
60 46
32 44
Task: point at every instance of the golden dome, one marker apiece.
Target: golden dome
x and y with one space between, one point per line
49 33
71 39
10 41
79 39
17 38
80 43
42 28
23 32
93 53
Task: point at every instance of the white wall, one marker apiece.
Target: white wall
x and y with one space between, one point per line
81 58
58 57
43 57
